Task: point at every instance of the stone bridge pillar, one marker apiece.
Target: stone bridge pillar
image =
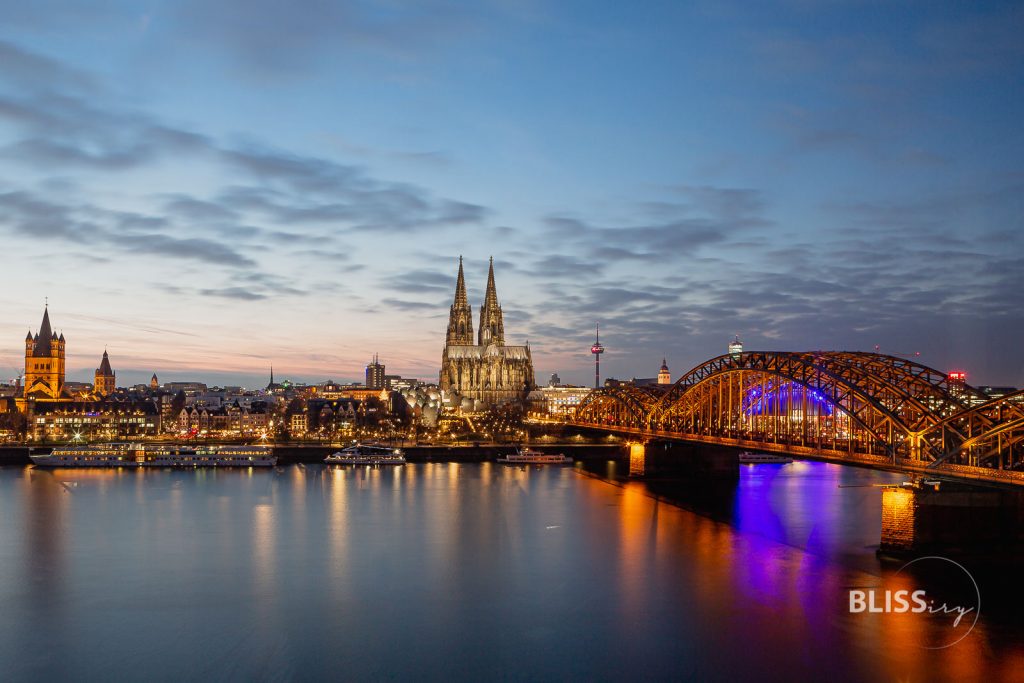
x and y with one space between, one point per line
683 459
637 459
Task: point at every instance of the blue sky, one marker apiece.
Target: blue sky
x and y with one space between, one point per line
209 188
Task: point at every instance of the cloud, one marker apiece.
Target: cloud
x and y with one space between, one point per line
240 293
407 305
286 39
32 216
422 280
71 130
29 70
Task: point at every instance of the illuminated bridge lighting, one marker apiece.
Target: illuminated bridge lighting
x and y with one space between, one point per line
788 398
857 406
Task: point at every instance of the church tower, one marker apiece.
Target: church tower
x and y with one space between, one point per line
104 379
492 328
460 319
44 362
664 376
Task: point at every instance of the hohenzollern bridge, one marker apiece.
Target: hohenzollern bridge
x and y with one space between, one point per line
847 406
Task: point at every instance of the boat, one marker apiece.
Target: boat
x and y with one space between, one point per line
156 455
528 456
366 454
752 458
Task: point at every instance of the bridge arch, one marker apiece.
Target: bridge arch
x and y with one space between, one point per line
860 402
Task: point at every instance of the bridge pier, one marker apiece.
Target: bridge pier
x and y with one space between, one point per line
657 457
948 517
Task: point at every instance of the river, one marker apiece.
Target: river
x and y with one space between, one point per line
463 571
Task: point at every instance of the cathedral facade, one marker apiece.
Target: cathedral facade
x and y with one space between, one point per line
481 373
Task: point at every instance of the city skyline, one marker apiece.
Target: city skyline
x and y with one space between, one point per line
303 203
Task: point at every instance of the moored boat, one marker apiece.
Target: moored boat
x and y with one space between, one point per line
156 455
366 454
528 456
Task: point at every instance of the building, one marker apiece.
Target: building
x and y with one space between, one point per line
44 363
997 392
375 374
557 399
664 376
957 383
230 420
735 346
104 379
106 420
486 373
154 383
190 388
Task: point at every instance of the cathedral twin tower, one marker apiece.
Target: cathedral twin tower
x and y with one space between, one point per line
486 372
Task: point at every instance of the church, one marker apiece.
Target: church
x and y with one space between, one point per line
44 363
485 373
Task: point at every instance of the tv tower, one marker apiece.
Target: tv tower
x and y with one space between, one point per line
597 350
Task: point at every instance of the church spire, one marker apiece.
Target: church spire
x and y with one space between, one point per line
492 327
104 368
460 319
45 336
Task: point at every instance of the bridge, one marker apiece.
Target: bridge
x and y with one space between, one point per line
864 408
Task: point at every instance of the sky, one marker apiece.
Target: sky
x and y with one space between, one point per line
208 189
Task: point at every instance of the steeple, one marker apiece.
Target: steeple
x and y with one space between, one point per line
45 336
492 327
664 376
104 378
460 287
460 319
105 365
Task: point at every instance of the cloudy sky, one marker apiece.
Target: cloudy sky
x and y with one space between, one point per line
206 188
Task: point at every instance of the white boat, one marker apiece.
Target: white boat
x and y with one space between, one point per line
156 455
366 454
752 458
527 456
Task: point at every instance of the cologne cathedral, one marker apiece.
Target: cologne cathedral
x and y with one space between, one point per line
486 373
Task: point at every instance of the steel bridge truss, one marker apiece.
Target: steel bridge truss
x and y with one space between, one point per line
839 404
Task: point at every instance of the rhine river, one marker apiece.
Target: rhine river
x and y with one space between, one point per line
462 572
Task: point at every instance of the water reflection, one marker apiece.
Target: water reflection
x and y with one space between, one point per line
467 571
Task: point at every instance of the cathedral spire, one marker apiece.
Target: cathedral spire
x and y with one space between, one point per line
491 296
460 287
492 327
460 319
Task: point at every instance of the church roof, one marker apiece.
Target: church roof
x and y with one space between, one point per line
104 368
45 336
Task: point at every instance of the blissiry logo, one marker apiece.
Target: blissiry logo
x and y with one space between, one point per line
950 599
